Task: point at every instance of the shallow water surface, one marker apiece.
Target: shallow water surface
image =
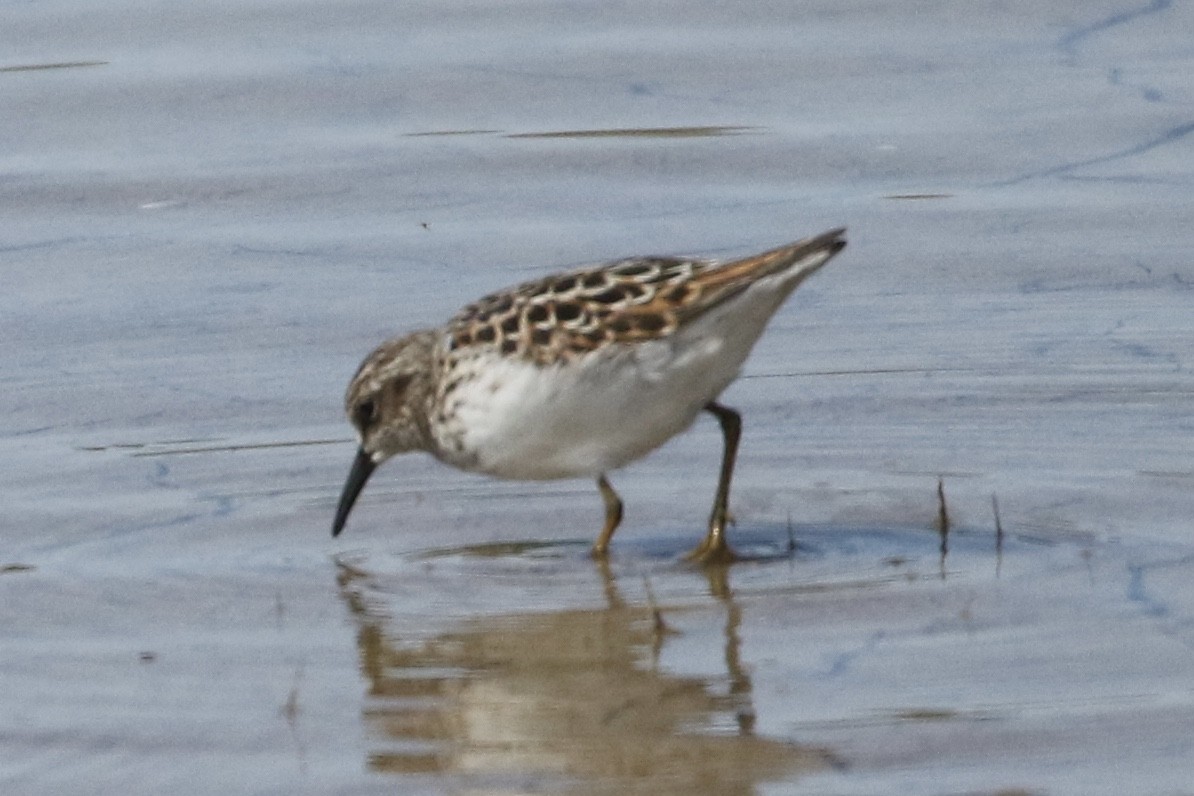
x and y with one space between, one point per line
213 212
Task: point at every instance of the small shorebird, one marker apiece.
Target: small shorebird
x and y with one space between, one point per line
578 374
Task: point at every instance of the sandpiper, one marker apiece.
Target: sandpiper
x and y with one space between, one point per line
578 374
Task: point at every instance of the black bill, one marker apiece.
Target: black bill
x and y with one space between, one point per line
362 468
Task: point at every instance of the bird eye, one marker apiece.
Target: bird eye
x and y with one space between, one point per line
364 413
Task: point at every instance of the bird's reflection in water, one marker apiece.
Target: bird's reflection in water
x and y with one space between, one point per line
570 700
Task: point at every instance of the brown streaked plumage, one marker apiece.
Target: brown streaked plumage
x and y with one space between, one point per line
578 373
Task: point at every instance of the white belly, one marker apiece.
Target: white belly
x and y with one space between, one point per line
604 410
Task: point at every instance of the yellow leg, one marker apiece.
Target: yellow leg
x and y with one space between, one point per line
613 516
714 549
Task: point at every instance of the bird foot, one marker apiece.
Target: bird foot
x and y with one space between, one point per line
712 552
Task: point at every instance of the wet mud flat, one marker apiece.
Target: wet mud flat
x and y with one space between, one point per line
209 223
836 656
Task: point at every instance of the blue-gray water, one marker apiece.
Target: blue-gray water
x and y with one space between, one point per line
212 212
